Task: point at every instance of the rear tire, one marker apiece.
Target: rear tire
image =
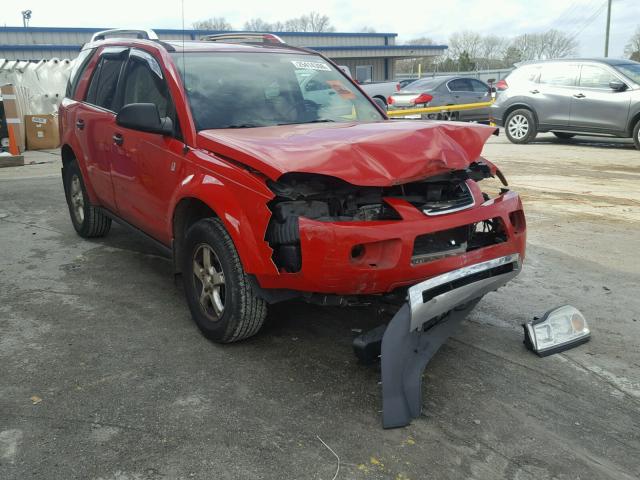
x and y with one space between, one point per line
220 297
636 135
88 221
563 135
520 126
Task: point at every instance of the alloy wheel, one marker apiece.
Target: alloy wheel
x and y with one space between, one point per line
77 199
518 127
208 279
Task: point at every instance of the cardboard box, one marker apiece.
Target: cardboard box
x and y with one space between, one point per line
42 131
13 113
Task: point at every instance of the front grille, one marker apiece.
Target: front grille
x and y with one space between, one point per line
458 240
462 200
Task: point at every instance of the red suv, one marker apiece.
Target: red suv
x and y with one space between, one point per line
269 175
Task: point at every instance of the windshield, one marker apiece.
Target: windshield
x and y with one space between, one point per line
243 90
631 70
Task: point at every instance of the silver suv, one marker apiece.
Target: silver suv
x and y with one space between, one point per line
599 97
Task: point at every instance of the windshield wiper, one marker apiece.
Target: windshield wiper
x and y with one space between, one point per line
320 120
243 125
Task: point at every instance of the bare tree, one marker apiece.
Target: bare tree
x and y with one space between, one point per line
421 41
465 41
367 30
215 23
319 23
313 22
546 45
258 25
632 49
558 44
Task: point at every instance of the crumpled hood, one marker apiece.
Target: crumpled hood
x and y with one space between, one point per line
367 154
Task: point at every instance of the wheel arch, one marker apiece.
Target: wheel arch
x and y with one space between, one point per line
520 106
67 154
255 255
635 118
188 211
381 97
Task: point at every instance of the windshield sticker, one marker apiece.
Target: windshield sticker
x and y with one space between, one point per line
311 65
341 90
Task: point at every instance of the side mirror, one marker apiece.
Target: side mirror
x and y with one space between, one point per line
617 85
380 103
144 117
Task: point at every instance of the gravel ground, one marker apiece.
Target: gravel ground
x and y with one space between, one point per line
103 375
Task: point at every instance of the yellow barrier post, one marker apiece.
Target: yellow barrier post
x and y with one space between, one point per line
442 108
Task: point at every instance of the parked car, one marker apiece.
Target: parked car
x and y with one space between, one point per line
570 97
404 82
380 91
439 91
262 190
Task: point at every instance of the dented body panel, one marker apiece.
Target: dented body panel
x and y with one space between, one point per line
367 154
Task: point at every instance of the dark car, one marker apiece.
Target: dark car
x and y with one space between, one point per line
569 97
439 91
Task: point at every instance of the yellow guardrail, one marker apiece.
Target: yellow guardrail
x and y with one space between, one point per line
440 109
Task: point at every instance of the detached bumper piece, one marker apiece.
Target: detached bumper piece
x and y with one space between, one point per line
434 309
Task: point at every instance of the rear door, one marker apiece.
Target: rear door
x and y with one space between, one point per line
95 120
145 165
595 106
552 97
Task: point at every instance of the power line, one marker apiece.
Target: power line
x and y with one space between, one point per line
589 20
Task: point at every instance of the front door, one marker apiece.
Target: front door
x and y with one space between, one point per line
145 166
596 105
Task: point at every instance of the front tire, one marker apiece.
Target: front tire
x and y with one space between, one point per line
220 297
88 221
520 126
636 135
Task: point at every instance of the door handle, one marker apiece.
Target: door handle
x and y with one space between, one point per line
579 95
117 139
80 124
534 91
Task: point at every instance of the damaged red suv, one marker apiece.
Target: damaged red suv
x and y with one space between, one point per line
269 175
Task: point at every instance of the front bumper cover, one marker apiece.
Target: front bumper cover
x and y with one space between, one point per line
434 309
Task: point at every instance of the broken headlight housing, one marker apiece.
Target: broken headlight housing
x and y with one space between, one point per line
557 330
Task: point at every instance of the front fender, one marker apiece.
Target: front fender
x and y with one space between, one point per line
241 208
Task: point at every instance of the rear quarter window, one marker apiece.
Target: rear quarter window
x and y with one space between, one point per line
559 74
79 66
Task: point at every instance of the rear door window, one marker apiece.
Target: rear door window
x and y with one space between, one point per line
478 86
104 82
592 76
559 74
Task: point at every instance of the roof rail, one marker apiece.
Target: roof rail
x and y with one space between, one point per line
146 34
248 37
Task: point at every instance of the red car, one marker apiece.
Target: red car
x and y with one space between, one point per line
269 175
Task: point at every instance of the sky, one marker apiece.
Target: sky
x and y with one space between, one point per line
583 19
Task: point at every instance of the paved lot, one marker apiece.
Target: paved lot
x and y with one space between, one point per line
103 374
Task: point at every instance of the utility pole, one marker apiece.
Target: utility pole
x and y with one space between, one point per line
606 40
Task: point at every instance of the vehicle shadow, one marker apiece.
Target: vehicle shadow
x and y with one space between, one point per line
594 142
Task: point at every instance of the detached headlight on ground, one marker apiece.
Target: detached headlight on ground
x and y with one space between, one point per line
557 330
